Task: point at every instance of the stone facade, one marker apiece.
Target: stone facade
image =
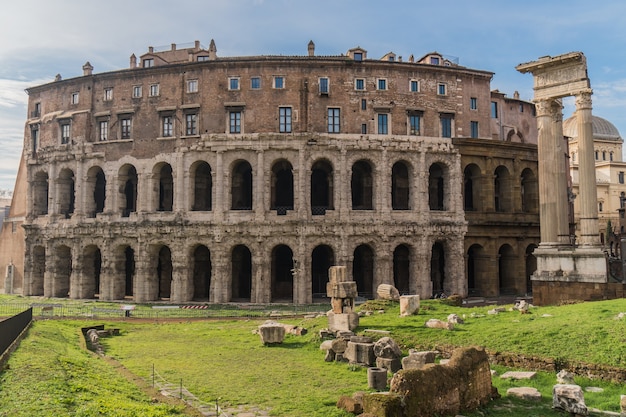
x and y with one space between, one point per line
195 177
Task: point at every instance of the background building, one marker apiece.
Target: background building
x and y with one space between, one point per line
190 176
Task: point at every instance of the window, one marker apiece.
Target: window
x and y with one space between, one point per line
37 111
358 56
202 58
191 124
233 83
74 98
434 60
363 104
382 84
125 126
521 108
284 119
364 129
168 126
359 84
620 177
600 206
414 124
136 91
255 83
611 156
103 130
494 110
442 89
65 133
474 129
596 153
148 63
333 120
473 103
604 155
324 85
235 122
414 86
446 125
34 134
279 82
108 94
154 90
383 123
192 86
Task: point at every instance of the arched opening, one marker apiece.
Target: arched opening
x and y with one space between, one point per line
437 269
282 273
362 184
62 272
363 270
402 269
506 270
92 267
129 271
476 269
282 187
164 273
241 279
530 191
321 187
201 273
471 188
241 186
38 265
40 194
531 267
436 187
502 189
322 259
96 187
166 188
202 187
400 186
66 194
128 190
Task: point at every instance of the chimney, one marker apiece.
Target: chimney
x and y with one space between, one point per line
516 95
311 48
212 50
58 77
197 45
173 47
133 61
87 68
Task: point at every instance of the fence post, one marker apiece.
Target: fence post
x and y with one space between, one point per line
152 375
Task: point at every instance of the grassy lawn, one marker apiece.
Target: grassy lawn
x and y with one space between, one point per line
50 374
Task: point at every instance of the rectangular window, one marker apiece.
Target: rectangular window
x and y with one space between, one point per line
323 85
382 84
34 133
191 124
434 60
235 122
521 107
255 83
446 126
192 86
233 83
359 84
108 94
74 98
202 58
414 86
333 120
279 82
363 104
65 133
364 129
284 119
473 103
154 90
37 111
441 89
414 123
474 129
148 63
621 177
383 123
136 91
494 110
103 130
358 56
125 126
168 126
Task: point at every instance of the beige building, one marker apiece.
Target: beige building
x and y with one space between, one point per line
189 176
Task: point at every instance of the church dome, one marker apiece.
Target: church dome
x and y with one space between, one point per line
602 129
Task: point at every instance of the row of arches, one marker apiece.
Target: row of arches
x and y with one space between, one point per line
282 192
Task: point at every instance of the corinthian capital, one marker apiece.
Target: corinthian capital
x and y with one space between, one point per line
583 100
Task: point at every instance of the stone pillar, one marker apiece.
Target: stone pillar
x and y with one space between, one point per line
219 175
383 186
180 192
220 291
145 282
300 201
258 189
586 172
342 186
182 288
145 192
261 284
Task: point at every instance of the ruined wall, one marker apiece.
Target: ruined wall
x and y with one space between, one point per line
558 292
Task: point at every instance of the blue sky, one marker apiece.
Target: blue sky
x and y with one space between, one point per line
40 38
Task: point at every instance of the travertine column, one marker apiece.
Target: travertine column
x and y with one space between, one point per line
219 184
258 189
586 171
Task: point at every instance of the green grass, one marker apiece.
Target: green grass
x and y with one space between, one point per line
50 375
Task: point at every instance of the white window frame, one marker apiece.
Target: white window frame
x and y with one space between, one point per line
445 89
108 94
148 63
194 124
285 126
388 126
417 84
234 82
154 90
169 132
74 97
383 80
321 81
65 140
103 130
137 91
237 127
356 80
252 87
126 127
274 84
192 86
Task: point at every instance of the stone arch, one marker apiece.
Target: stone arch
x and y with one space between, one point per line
164 179
66 192
281 189
477 269
506 269
502 188
202 269
363 270
438 269
322 258
529 191
400 186
282 273
40 193
62 272
96 191
241 273
241 186
129 271
437 174
128 189
91 269
322 187
472 199
362 185
38 265
531 266
202 186
402 268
